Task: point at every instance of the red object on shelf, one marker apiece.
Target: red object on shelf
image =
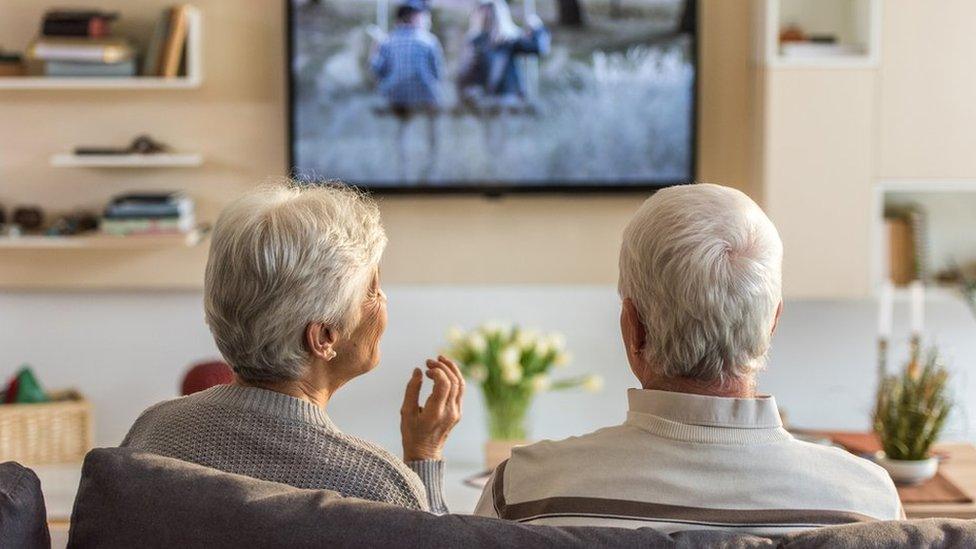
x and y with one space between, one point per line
10 396
205 375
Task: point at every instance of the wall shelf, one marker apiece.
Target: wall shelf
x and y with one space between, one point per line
99 241
947 205
855 24
192 79
155 160
133 83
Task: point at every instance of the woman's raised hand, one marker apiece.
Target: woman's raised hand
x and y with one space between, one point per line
424 429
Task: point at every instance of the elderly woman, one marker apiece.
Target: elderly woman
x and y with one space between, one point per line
293 299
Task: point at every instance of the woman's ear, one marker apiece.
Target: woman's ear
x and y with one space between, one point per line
321 340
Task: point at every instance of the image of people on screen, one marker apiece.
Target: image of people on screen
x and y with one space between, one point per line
454 93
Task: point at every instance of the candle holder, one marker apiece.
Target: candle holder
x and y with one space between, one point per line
882 359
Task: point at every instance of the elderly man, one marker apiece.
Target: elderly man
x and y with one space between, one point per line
700 283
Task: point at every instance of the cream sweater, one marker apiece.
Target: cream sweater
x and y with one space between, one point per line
684 461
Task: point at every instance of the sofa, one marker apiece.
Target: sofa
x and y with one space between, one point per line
23 517
134 499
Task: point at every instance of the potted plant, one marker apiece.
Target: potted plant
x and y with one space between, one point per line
911 410
511 365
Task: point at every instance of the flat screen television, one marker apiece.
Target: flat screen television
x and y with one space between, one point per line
493 95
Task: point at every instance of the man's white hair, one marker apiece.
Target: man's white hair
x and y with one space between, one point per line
702 264
281 257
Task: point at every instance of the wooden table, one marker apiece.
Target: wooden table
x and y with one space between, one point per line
960 468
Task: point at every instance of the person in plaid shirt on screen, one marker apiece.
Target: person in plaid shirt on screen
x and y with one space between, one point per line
409 63
409 66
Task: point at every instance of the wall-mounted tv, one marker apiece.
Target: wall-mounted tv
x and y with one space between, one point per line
493 95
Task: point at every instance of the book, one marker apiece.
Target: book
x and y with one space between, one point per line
175 41
100 50
95 70
162 205
154 51
88 23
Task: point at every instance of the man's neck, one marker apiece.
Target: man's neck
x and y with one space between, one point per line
734 389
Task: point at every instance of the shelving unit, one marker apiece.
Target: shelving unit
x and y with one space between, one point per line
192 79
98 241
948 205
156 160
855 23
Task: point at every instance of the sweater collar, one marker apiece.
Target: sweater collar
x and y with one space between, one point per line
266 402
737 413
708 419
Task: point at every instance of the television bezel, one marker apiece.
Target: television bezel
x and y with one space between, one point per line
489 188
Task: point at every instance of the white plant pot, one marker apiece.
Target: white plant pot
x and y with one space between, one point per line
904 471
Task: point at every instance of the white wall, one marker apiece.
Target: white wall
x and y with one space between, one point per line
128 350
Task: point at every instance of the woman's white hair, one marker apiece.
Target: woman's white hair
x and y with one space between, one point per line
702 264
281 257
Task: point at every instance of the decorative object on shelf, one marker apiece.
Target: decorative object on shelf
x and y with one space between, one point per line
80 23
906 231
791 33
885 317
56 431
11 64
204 375
910 412
964 281
512 366
142 144
23 388
72 224
149 213
28 218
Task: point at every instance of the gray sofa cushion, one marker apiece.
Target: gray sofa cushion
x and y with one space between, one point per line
23 517
129 498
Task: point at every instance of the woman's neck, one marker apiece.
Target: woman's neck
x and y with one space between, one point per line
316 393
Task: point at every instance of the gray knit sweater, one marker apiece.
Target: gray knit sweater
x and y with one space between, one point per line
272 436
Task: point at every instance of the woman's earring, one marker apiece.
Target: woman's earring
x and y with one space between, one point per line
331 354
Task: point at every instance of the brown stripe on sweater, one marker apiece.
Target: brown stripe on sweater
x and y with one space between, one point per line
661 512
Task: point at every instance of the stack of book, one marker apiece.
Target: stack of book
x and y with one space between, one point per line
78 43
149 213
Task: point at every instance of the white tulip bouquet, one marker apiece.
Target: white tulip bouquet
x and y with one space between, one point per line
512 365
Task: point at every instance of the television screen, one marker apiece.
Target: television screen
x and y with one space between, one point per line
479 95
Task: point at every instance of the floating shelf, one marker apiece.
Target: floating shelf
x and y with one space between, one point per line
856 24
948 205
133 83
192 79
155 160
99 241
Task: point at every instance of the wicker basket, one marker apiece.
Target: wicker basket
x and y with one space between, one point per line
59 431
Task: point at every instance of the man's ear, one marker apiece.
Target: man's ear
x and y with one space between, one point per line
779 312
635 336
321 340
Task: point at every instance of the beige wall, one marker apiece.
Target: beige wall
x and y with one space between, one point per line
237 120
927 95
